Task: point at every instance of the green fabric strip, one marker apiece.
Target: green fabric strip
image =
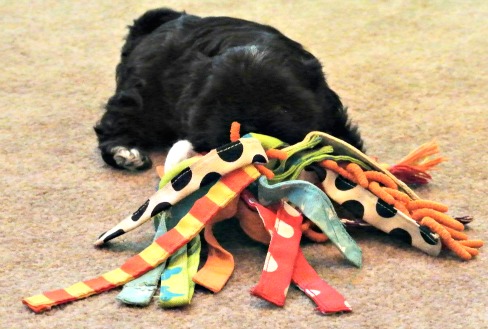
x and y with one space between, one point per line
268 142
293 166
177 286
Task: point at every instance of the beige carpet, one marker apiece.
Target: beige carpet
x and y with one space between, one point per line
410 71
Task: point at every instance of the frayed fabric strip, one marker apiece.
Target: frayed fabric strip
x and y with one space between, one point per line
223 192
140 291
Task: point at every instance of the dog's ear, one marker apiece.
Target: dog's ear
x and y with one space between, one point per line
145 25
313 71
151 20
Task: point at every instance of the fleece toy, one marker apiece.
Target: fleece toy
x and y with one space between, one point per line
277 196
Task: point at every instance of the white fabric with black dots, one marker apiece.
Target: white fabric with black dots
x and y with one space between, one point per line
365 205
206 170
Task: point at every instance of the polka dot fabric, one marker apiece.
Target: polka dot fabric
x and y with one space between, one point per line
327 299
208 169
280 260
230 166
219 195
366 206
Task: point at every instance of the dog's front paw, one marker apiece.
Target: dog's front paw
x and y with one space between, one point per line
130 159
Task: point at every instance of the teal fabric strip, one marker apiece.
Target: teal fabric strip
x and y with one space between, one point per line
140 291
317 207
177 286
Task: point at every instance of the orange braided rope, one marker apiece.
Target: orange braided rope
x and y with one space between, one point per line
400 196
419 204
456 235
439 217
425 212
401 206
377 190
381 178
472 243
358 173
449 242
332 165
235 134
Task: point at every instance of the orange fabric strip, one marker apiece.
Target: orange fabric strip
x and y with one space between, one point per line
220 263
59 294
134 265
218 267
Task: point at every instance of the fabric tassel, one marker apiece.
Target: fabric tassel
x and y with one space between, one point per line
413 168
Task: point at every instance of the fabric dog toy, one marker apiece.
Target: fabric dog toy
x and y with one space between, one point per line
233 160
350 178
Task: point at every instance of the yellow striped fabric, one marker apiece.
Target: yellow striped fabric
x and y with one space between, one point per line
204 209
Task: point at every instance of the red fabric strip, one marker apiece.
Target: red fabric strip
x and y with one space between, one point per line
327 299
278 268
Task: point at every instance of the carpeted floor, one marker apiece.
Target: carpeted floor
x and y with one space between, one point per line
410 72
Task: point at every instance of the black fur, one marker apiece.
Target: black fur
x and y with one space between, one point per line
186 77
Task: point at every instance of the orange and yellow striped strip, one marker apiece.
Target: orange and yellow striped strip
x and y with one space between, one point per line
204 209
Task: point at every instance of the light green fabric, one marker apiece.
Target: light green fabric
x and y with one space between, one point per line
177 286
141 290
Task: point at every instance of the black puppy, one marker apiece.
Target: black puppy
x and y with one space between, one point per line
182 77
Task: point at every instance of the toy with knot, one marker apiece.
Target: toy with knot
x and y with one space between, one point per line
278 193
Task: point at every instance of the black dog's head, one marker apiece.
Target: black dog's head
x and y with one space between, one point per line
185 77
264 90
